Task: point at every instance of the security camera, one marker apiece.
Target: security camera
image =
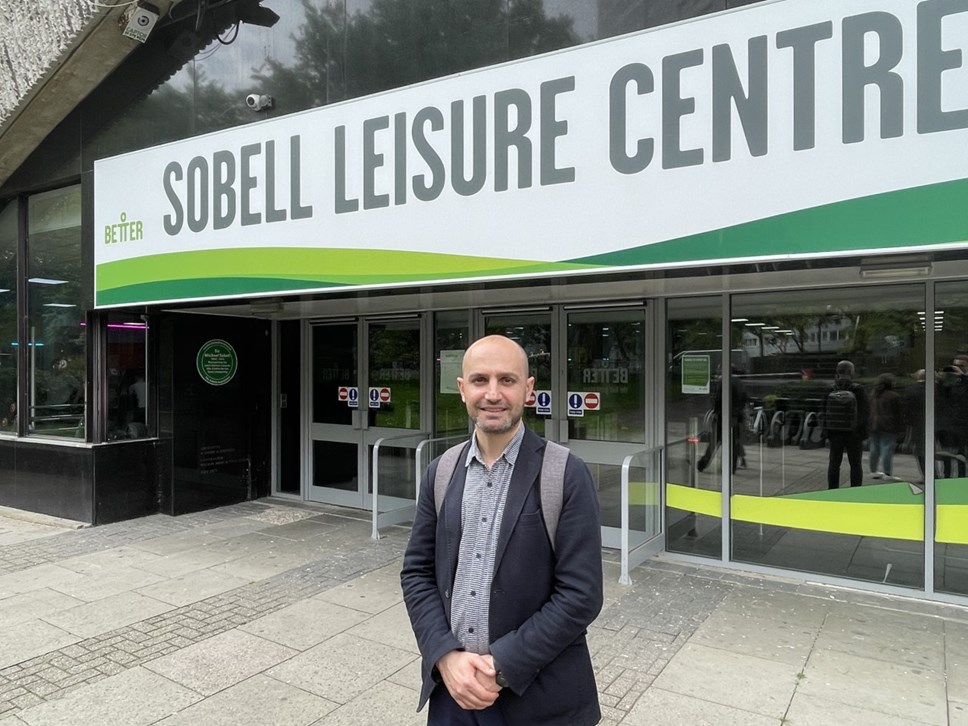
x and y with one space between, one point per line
258 102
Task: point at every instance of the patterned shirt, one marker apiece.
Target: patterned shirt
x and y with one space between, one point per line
482 510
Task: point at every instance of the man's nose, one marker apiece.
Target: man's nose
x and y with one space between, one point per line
493 390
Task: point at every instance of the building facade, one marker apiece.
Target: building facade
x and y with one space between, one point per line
245 256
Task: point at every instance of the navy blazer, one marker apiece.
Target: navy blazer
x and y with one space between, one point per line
541 600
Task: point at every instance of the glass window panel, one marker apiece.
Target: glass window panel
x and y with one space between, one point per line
451 338
126 349
541 26
533 333
606 357
334 366
55 308
394 367
951 437
693 496
829 442
8 317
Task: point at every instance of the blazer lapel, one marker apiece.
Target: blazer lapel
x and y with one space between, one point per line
452 510
526 471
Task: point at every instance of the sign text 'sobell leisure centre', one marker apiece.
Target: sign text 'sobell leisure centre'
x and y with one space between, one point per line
709 140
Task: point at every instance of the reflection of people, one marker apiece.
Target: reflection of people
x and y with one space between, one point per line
886 422
738 401
914 397
499 616
951 404
137 393
9 422
845 413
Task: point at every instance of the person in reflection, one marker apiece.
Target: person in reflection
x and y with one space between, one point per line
500 616
914 398
738 403
886 422
951 420
845 416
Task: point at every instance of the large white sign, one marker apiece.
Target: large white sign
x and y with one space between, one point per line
693 142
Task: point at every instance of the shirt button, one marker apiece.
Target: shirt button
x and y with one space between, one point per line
478 555
483 519
470 630
473 593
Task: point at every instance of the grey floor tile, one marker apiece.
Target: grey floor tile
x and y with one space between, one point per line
740 681
391 627
385 703
342 668
29 639
408 676
884 635
108 559
373 592
815 710
900 690
657 707
172 544
110 581
220 661
135 697
957 713
305 624
107 614
34 604
192 587
38 577
779 640
786 607
256 701
276 558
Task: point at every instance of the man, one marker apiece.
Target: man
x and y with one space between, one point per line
499 614
845 415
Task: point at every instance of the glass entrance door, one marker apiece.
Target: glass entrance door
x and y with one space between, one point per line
604 402
366 386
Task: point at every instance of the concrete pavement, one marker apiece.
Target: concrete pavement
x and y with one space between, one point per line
281 613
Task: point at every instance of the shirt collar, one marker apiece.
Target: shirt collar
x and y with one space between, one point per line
510 452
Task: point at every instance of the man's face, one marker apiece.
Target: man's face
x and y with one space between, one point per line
962 363
494 384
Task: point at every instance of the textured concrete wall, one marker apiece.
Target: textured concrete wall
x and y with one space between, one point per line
34 36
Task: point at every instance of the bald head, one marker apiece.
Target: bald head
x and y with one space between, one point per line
497 347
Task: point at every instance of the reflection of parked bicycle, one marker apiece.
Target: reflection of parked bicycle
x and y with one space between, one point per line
756 425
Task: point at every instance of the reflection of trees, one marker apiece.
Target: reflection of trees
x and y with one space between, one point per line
399 42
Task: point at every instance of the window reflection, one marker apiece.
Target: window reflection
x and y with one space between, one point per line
126 340
831 374
951 436
8 318
55 309
693 495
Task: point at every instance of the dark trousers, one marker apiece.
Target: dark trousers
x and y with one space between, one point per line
853 446
444 711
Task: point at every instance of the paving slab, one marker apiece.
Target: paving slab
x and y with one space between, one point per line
768 638
97 585
391 627
658 707
107 614
384 703
741 681
33 605
108 559
35 578
342 668
136 697
785 607
171 544
372 592
957 713
220 661
32 638
276 558
917 694
192 587
258 700
885 635
305 624
812 710
301 530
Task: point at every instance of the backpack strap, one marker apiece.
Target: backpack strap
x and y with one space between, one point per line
445 472
553 486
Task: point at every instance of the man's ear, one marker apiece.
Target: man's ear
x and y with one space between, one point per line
530 384
460 387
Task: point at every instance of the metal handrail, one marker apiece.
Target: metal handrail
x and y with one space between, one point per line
624 577
419 466
375 531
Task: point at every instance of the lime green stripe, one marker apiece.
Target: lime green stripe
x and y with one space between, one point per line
309 267
889 519
929 215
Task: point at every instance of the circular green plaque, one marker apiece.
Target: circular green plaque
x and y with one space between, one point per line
217 362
